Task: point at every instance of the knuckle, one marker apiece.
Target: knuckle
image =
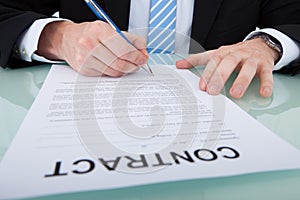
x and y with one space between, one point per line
105 32
233 58
217 57
91 27
247 52
82 41
240 44
80 60
85 43
222 49
221 52
259 55
97 23
266 72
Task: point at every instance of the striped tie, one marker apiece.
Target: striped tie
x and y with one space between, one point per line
162 24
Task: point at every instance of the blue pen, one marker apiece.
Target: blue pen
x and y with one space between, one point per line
99 12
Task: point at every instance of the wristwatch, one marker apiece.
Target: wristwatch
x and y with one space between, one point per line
270 41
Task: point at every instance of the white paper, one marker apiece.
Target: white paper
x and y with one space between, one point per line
85 133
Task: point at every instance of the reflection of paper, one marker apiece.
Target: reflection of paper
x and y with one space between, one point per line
86 133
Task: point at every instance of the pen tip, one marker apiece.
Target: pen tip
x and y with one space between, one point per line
150 70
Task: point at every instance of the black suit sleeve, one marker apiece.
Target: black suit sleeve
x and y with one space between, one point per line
283 15
15 17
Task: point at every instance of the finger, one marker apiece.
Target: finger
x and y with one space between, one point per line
97 65
120 47
211 67
266 81
223 72
208 72
244 78
194 60
109 59
138 42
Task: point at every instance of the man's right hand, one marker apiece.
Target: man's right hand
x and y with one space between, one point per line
92 48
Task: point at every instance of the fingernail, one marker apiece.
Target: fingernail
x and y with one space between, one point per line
238 90
213 89
266 91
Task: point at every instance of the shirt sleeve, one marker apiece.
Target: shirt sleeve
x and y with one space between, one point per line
27 43
290 49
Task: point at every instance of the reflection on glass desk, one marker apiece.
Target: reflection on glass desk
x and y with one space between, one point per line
280 113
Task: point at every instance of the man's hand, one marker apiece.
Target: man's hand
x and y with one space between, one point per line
92 48
250 58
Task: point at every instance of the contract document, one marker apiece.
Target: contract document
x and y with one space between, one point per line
95 133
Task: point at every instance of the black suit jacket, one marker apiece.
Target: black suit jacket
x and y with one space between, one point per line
215 22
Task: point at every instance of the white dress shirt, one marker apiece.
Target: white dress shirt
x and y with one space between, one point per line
138 23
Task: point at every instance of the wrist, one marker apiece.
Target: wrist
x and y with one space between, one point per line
273 44
50 40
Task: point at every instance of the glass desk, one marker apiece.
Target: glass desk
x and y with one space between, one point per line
279 113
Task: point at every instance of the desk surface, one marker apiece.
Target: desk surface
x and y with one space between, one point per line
279 113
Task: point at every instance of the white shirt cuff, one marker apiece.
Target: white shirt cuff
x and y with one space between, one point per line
290 49
27 43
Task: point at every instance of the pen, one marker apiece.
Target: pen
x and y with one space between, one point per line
99 12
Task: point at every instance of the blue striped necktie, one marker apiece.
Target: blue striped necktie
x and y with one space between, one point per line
162 24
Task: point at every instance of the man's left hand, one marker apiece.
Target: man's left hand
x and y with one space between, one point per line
251 58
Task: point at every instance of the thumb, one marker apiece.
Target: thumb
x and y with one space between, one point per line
195 60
